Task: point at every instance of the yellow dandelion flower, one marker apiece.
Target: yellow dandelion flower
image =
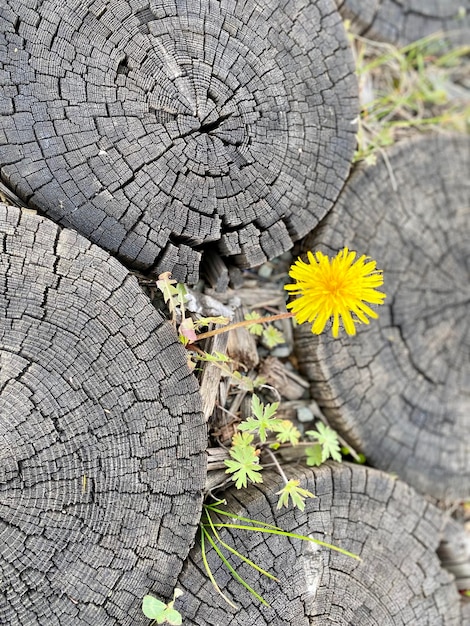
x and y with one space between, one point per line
337 288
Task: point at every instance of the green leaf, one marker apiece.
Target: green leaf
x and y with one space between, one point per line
153 608
263 420
286 432
244 464
166 284
272 337
240 440
314 455
205 321
160 612
255 329
328 440
181 294
173 617
295 492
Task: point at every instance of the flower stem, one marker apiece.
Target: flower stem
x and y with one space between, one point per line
277 464
242 324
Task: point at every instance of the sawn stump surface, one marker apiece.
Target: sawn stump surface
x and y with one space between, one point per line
102 461
160 128
393 529
399 391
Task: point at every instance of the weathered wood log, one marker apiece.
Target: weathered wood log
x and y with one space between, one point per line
102 461
399 391
161 129
394 530
404 21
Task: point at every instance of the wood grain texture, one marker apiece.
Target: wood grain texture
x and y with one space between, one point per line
102 461
159 129
401 22
392 528
399 391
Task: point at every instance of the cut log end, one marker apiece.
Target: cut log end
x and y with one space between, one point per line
393 529
399 390
160 130
102 462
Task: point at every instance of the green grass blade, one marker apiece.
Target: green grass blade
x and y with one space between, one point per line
239 555
209 571
412 49
284 533
233 571
238 517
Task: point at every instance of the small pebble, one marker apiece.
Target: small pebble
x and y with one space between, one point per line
281 351
265 270
304 414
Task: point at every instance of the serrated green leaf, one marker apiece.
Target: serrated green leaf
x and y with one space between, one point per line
263 420
296 493
262 411
314 455
328 439
286 432
272 337
244 462
254 329
242 439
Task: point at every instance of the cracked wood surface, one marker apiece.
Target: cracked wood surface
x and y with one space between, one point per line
393 529
161 129
102 460
401 22
399 391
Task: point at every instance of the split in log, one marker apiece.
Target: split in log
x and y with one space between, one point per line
454 552
399 391
404 21
394 530
162 129
102 461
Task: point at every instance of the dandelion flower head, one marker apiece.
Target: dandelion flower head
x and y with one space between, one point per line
335 288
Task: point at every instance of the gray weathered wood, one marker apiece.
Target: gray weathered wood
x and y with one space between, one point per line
160 129
404 21
399 391
102 461
241 344
393 529
287 382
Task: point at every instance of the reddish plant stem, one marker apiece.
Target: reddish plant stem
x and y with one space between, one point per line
244 323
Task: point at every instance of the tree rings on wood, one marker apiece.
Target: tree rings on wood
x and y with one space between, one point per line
404 21
158 129
102 461
394 530
399 390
